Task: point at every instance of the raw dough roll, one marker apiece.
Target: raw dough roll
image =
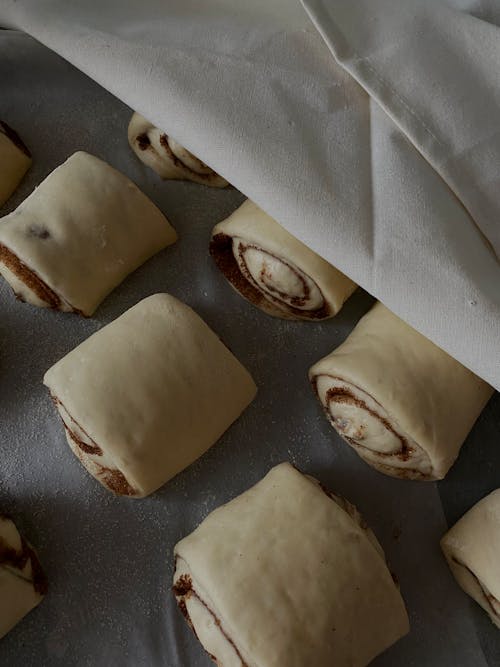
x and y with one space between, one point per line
274 270
15 160
472 549
22 581
80 233
288 575
402 403
167 157
147 395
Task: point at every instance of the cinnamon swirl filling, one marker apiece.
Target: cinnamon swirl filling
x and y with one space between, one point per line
269 281
362 422
15 160
167 157
91 455
28 286
203 621
23 583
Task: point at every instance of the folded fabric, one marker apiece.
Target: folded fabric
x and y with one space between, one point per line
166 156
253 90
22 581
402 403
448 112
15 160
78 235
288 574
274 270
472 549
148 394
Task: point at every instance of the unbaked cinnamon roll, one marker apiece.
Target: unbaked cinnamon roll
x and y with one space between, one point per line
472 550
22 581
167 157
148 394
402 403
274 270
288 574
15 160
78 235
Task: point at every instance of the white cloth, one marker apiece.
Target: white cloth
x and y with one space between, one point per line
252 89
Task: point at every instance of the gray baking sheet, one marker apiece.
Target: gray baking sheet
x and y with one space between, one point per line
109 560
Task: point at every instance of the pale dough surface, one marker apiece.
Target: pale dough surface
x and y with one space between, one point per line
291 578
17 593
82 231
472 550
14 163
166 156
282 268
153 390
410 389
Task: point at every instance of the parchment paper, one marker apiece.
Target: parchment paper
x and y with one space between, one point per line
109 560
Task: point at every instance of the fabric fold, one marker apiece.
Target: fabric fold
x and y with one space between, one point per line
255 93
406 59
166 156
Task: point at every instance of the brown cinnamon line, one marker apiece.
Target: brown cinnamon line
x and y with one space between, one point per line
40 583
342 395
18 560
296 300
112 478
488 596
182 606
221 250
402 473
88 449
182 165
116 481
143 141
182 588
14 137
10 556
31 280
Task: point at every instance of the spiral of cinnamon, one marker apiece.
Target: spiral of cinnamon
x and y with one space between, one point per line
274 270
362 422
167 157
22 581
92 456
401 402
